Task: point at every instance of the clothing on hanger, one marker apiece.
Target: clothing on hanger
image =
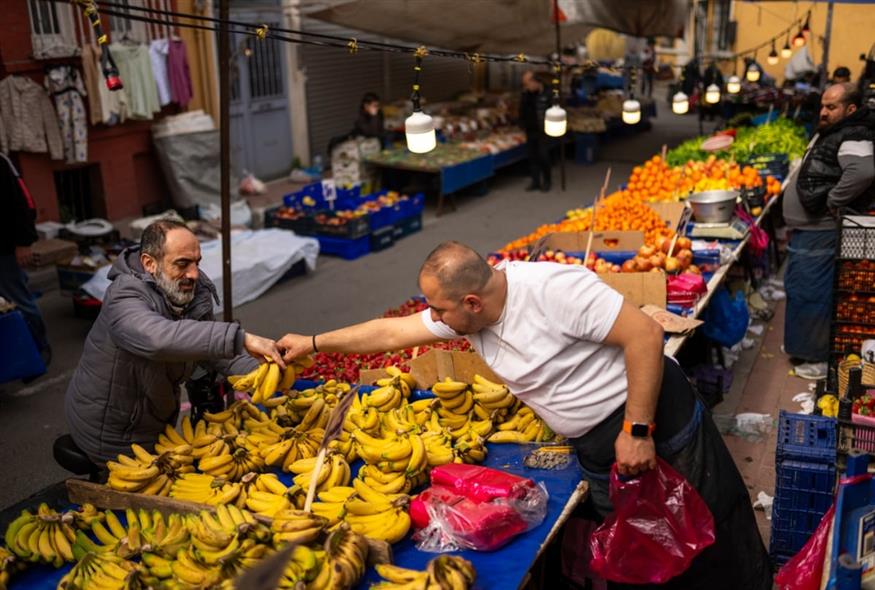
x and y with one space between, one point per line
28 121
179 74
135 70
66 89
158 50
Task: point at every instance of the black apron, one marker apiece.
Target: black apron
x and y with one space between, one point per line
687 439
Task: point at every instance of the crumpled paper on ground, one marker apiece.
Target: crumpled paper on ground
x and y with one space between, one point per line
748 425
764 502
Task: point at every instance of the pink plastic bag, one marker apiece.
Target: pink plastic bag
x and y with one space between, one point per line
805 569
685 289
659 524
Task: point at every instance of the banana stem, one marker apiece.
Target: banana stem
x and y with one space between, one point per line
314 479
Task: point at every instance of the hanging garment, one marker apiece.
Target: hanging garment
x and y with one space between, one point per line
106 106
180 77
158 50
65 87
28 122
135 70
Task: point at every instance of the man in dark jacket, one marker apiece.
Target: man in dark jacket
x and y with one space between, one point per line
155 326
838 170
17 233
534 102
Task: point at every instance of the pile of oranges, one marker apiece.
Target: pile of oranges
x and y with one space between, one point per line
655 180
619 211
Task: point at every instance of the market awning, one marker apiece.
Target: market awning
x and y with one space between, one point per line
500 26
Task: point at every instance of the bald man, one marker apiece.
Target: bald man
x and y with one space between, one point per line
592 366
838 170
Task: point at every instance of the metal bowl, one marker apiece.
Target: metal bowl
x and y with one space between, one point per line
713 206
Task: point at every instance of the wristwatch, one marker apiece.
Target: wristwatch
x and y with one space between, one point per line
639 429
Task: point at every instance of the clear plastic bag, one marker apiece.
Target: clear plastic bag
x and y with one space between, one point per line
659 524
472 507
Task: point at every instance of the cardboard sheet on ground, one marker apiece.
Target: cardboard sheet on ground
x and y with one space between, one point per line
259 258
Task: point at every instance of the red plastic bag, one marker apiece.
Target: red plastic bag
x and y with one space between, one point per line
659 524
480 484
685 289
805 569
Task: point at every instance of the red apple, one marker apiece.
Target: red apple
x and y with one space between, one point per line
629 266
642 264
656 261
672 264
646 251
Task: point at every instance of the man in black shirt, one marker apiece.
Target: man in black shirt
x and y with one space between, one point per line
534 102
17 233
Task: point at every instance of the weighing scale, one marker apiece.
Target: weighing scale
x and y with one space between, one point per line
735 229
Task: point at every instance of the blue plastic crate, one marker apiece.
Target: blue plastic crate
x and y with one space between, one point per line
804 486
382 238
408 226
346 249
806 438
17 349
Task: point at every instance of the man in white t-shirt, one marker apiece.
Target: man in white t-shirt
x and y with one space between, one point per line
592 366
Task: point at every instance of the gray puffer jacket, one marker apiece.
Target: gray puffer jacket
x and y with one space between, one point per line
136 357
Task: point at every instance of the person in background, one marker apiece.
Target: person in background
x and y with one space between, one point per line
648 67
16 237
841 75
370 118
155 329
837 171
534 102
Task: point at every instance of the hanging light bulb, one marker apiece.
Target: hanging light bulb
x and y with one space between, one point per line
419 127
799 39
773 55
786 51
733 85
753 72
806 28
712 94
555 119
631 111
680 104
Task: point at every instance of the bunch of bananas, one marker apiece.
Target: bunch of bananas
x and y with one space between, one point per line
331 503
145 473
390 392
266 495
8 565
303 567
46 536
170 439
459 411
145 531
102 571
471 446
393 464
237 415
296 526
445 572
377 515
294 444
524 426
233 458
335 472
204 489
264 381
346 555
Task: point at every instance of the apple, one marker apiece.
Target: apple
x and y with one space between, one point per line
646 251
654 269
685 257
629 266
694 269
672 264
549 255
615 268
642 264
685 243
665 244
657 261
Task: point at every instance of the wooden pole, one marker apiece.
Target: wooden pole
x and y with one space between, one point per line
225 155
594 210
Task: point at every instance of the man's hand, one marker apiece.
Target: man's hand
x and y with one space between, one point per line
23 256
260 348
295 346
634 455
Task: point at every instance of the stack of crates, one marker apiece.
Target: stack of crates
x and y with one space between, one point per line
805 478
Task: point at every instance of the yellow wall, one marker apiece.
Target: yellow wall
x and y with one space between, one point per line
853 31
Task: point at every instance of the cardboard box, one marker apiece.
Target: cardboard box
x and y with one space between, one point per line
669 211
46 252
602 241
638 288
435 365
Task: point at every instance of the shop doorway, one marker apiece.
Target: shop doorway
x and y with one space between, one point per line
261 139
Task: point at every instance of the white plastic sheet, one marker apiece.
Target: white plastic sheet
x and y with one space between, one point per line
258 259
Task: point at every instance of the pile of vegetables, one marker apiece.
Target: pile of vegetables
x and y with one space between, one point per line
781 136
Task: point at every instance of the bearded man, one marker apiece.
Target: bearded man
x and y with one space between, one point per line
155 327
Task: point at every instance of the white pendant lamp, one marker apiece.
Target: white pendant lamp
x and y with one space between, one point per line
419 130
712 94
733 85
555 121
631 112
753 73
680 104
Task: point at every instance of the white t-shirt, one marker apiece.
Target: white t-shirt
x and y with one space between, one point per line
547 345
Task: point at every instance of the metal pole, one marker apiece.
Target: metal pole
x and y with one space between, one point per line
826 39
559 60
225 155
